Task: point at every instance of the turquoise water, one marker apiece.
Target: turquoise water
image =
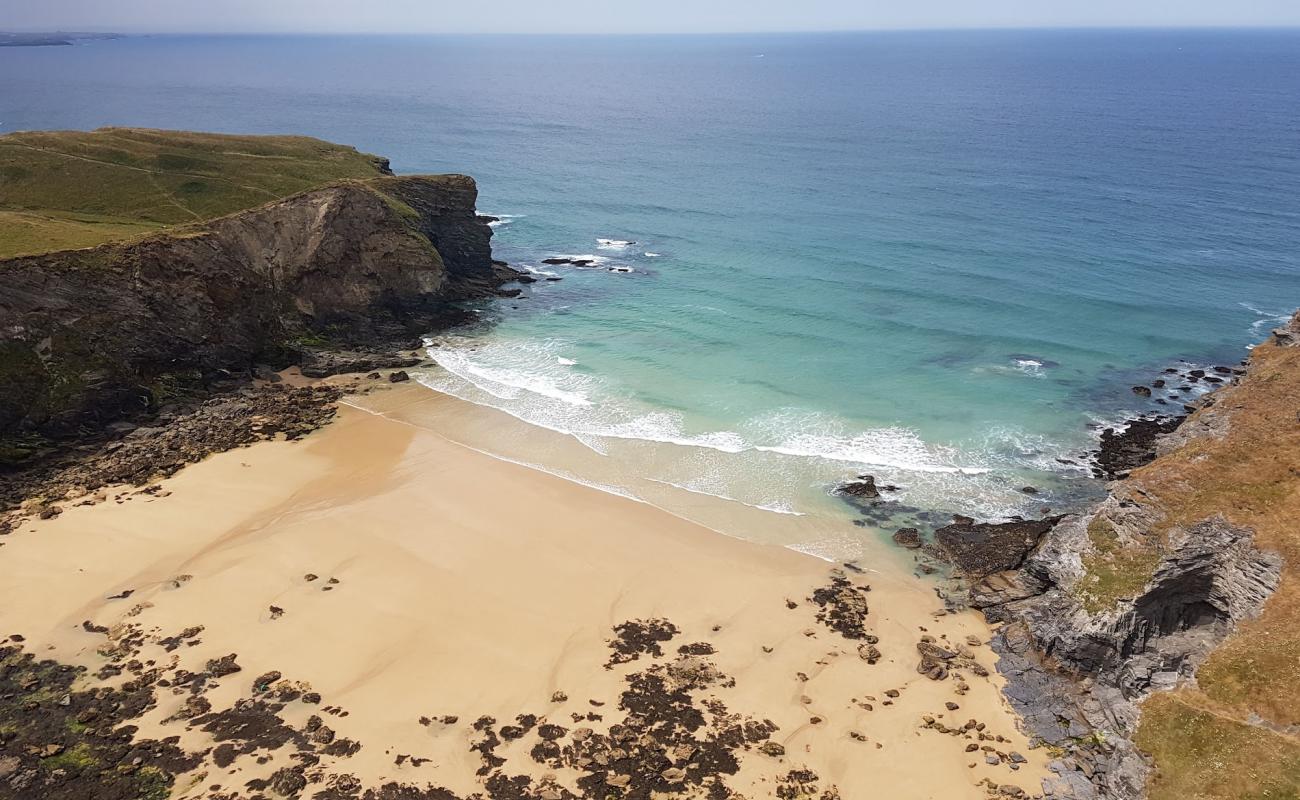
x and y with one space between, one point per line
935 257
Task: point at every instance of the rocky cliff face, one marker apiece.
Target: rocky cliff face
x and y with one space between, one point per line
88 335
1135 596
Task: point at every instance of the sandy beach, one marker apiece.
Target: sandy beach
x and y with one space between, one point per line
456 621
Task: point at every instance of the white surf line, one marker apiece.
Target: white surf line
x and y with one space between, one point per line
563 476
900 579
725 498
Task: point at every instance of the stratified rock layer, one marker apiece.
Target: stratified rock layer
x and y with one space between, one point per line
1136 595
88 336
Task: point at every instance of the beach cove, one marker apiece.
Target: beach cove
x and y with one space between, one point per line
419 588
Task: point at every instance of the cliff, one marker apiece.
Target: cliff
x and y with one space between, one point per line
1156 639
61 190
87 336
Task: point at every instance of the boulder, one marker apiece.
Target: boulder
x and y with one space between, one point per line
909 538
863 488
985 548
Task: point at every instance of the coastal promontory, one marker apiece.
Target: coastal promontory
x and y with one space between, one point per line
138 263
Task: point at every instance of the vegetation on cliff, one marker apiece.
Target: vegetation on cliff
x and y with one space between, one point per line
1155 639
91 335
1233 734
68 189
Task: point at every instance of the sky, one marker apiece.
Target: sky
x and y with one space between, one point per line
622 16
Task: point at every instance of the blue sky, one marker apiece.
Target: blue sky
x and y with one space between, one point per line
625 16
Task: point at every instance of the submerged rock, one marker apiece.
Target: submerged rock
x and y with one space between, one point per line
909 538
863 488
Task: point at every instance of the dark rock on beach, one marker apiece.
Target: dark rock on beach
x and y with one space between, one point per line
59 742
863 488
1124 449
148 453
324 363
842 607
909 538
980 549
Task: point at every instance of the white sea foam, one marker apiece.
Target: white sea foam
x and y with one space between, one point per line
613 244
665 427
507 371
503 219
1014 449
546 273
775 462
774 507
1018 366
504 383
568 476
648 254
880 447
780 508
1267 319
1030 366
592 259
829 551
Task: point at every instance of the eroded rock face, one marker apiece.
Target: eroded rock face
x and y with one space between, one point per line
89 335
1212 580
1072 670
1116 603
1131 597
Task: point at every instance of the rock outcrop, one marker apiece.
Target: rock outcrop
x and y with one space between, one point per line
1125 449
981 549
1134 596
88 336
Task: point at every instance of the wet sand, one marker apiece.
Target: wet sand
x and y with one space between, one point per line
409 579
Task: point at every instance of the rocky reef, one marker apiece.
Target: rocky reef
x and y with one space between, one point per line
1101 610
93 335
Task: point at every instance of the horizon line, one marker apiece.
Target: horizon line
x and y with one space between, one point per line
1193 26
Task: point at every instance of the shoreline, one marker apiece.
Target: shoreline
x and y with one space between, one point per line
439 553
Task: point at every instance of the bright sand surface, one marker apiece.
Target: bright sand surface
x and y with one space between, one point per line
469 585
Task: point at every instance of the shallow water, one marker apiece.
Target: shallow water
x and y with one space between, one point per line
934 257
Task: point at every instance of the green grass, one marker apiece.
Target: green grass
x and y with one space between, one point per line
65 190
1207 740
1113 571
24 232
1200 755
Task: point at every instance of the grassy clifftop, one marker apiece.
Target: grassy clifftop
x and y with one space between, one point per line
1235 733
70 189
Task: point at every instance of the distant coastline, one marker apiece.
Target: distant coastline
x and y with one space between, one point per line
56 39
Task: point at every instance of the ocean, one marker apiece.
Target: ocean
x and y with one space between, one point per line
941 258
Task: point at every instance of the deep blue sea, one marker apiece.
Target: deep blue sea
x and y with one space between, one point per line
935 257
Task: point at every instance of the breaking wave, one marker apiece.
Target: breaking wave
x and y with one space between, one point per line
775 462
